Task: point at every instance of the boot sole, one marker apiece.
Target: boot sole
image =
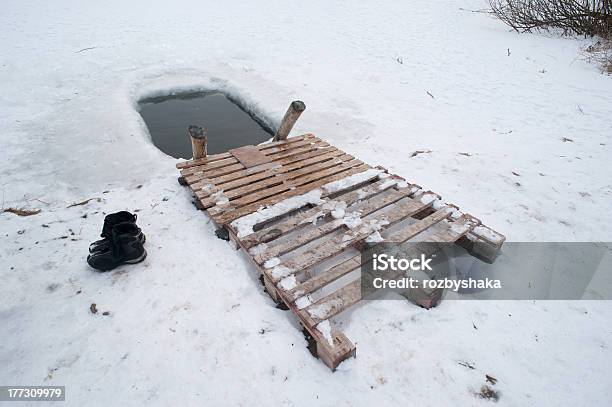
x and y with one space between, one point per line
138 259
97 248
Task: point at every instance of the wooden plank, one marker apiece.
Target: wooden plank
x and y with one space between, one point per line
416 228
329 247
284 164
288 179
266 146
249 156
299 220
257 196
332 274
324 278
228 217
250 204
334 303
275 153
225 218
451 234
367 207
292 163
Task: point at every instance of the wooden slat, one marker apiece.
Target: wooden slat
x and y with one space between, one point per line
331 246
259 195
262 147
227 217
191 174
249 156
248 177
288 179
332 274
273 153
347 296
223 217
334 303
298 220
197 181
324 278
367 207
416 228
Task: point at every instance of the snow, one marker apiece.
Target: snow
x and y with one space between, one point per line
352 219
488 234
273 262
428 198
375 237
220 198
352 180
185 325
280 271
336 208
323 310
208 187
244 225
325 328
288 283
314 218
303 302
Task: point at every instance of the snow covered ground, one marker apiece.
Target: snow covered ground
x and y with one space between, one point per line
516 128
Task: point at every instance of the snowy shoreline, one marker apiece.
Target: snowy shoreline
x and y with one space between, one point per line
525 151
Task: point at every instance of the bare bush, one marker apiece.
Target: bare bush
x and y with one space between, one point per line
601 53
582 17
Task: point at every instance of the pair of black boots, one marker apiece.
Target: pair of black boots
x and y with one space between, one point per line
122 242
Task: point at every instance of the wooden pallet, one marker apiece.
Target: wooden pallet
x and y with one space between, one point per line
282 202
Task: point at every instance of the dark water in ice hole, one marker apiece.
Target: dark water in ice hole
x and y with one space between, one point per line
228 125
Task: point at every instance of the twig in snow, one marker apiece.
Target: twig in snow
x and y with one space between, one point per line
83 202
400 60
467 364
483 11
85 49
491 379
22 212
432 96
415 153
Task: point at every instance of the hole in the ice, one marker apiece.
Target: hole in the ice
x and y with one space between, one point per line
228 125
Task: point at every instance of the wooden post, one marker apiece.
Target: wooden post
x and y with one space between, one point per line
295 110
198 141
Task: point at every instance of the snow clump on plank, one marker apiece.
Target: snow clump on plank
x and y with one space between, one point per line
288 283
244 225
325 329
352 180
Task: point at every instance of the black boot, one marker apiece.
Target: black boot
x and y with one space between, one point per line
109 221
124 247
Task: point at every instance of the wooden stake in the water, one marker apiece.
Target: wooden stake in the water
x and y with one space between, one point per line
295 110
198 141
